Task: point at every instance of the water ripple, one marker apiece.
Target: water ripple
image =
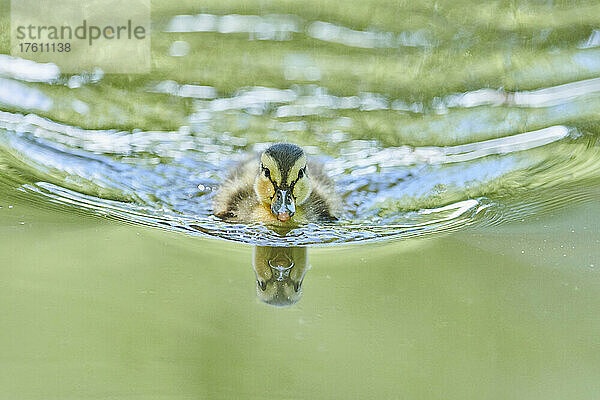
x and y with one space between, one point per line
167 179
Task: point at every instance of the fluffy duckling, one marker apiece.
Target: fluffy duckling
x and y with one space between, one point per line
279 188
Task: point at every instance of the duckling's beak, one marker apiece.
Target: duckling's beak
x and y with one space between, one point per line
283 206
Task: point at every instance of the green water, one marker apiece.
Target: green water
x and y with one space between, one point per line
93 309
463 139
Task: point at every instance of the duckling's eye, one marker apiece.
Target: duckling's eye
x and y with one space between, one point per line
267 172
301 173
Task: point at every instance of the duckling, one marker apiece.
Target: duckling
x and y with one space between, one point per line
278 188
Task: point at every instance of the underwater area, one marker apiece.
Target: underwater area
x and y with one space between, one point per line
463 138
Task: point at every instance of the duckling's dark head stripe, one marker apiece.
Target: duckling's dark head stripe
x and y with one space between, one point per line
286 155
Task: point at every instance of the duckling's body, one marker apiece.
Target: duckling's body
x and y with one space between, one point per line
278 188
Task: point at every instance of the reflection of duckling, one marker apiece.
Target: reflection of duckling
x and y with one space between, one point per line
279 273
280 186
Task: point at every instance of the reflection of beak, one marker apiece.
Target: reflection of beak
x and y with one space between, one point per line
283 206
281 269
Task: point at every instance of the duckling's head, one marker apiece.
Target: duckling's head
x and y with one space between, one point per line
282 182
